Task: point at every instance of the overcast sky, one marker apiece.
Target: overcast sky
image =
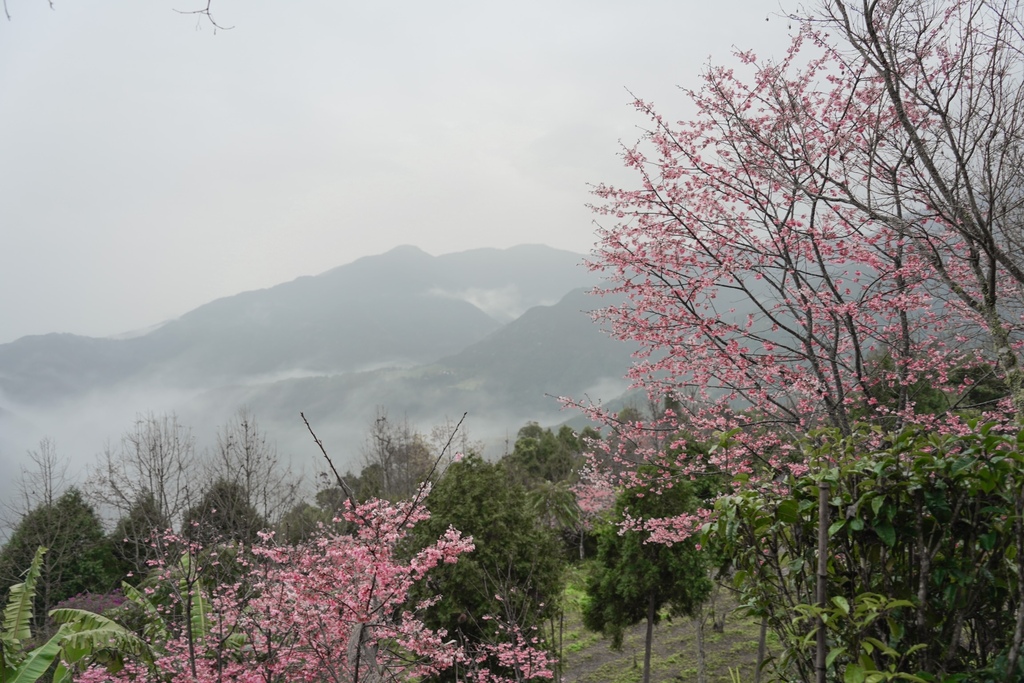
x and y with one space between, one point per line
149 163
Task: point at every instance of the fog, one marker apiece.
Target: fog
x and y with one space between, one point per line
82 429
503 303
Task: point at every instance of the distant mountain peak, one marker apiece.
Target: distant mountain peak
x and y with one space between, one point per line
406 249
132 334
504 303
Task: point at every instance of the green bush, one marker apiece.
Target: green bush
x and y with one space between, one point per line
925 555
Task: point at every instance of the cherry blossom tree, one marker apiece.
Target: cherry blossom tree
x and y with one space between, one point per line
832 228
937 151
790 249
334 608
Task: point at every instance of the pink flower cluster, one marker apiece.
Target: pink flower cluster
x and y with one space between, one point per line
331 609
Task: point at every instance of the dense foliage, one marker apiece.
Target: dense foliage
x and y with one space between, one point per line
82 638
224 512
79 558
513 577
924 554
634 580
333 607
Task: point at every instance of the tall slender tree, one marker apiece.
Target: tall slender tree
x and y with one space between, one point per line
156 458
633 579
245 457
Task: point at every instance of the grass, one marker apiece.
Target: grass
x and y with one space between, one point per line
588 658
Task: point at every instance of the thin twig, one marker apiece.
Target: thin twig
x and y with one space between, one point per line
433 468
205 11
341 480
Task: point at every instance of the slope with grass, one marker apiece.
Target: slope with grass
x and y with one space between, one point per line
587 657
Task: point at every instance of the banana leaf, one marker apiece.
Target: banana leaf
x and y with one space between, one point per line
18 613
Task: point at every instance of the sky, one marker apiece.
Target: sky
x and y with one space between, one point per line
150 162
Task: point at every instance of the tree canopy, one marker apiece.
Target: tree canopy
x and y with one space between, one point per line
223 513
512 578
79 558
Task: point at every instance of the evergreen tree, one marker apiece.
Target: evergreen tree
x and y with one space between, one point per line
541 455
79 559
513 577
633 579
131 539
301 523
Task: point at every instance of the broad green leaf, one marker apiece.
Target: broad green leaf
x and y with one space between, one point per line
789 511
87 633
832 654
156 627
853 674
841 602
236 641
876 503
199 609
18 613
200 615
886 533
38 661
61 674
911 677
895 628
885 649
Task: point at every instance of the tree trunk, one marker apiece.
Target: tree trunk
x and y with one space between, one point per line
822 645
761 646
717 615
561 642
1018 631
651 607
702 667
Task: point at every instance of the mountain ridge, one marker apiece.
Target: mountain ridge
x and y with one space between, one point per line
404 306
495 332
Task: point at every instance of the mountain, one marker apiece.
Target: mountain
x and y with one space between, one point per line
512 376
549 351
399 308
496 333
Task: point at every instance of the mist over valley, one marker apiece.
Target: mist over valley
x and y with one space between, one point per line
495 333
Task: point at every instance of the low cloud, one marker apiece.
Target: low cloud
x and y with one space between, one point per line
504 304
